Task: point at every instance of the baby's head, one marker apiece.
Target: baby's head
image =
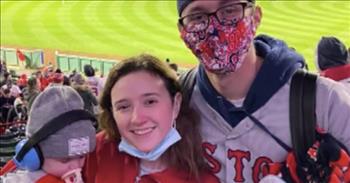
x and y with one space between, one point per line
65 148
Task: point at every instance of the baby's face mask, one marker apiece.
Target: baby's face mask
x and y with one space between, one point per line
73 176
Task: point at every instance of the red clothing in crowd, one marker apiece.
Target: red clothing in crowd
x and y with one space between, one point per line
337 73
107 165
44 82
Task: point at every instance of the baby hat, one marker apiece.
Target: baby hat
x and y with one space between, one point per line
75 139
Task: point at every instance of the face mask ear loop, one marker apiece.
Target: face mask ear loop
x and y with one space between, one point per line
174 124
174 120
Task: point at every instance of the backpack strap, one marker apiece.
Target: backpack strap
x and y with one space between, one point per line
302 111
187 81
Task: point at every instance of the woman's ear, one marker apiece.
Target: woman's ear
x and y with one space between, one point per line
177 104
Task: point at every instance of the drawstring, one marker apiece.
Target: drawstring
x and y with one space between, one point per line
255 121
261 126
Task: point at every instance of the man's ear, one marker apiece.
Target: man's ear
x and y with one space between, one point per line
177 104
257 16
179 27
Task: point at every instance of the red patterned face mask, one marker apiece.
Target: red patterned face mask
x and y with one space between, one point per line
221 49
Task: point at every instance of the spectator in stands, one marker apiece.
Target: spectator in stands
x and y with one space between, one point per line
30 92
63 151
79 84
95 83
14 89
20 109
56 78
143 138
22 81
3 68
44 78
38 75
71 75
5 79
6 104
66 80
332 60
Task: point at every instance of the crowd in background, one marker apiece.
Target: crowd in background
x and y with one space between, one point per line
18 91
238 116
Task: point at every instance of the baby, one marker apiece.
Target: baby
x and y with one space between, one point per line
60 133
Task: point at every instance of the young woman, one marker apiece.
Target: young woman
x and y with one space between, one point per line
145 136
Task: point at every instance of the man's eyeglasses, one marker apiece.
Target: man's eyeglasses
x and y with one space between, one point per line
228 15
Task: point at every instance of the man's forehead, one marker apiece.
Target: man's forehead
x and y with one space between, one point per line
207 5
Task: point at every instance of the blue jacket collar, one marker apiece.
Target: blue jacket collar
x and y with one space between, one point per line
278 66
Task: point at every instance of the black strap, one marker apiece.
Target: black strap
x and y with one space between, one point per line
302 111
187 81
264 128
52 127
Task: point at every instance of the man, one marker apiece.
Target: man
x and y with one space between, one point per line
332 60
242 89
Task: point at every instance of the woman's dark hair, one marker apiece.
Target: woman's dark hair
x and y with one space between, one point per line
187 154
89 71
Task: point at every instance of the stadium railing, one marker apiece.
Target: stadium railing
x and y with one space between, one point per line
33 58
68 63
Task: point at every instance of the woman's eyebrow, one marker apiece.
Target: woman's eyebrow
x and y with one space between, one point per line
151 94
119 101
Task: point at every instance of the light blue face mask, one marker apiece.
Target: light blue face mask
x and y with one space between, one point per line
171 138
